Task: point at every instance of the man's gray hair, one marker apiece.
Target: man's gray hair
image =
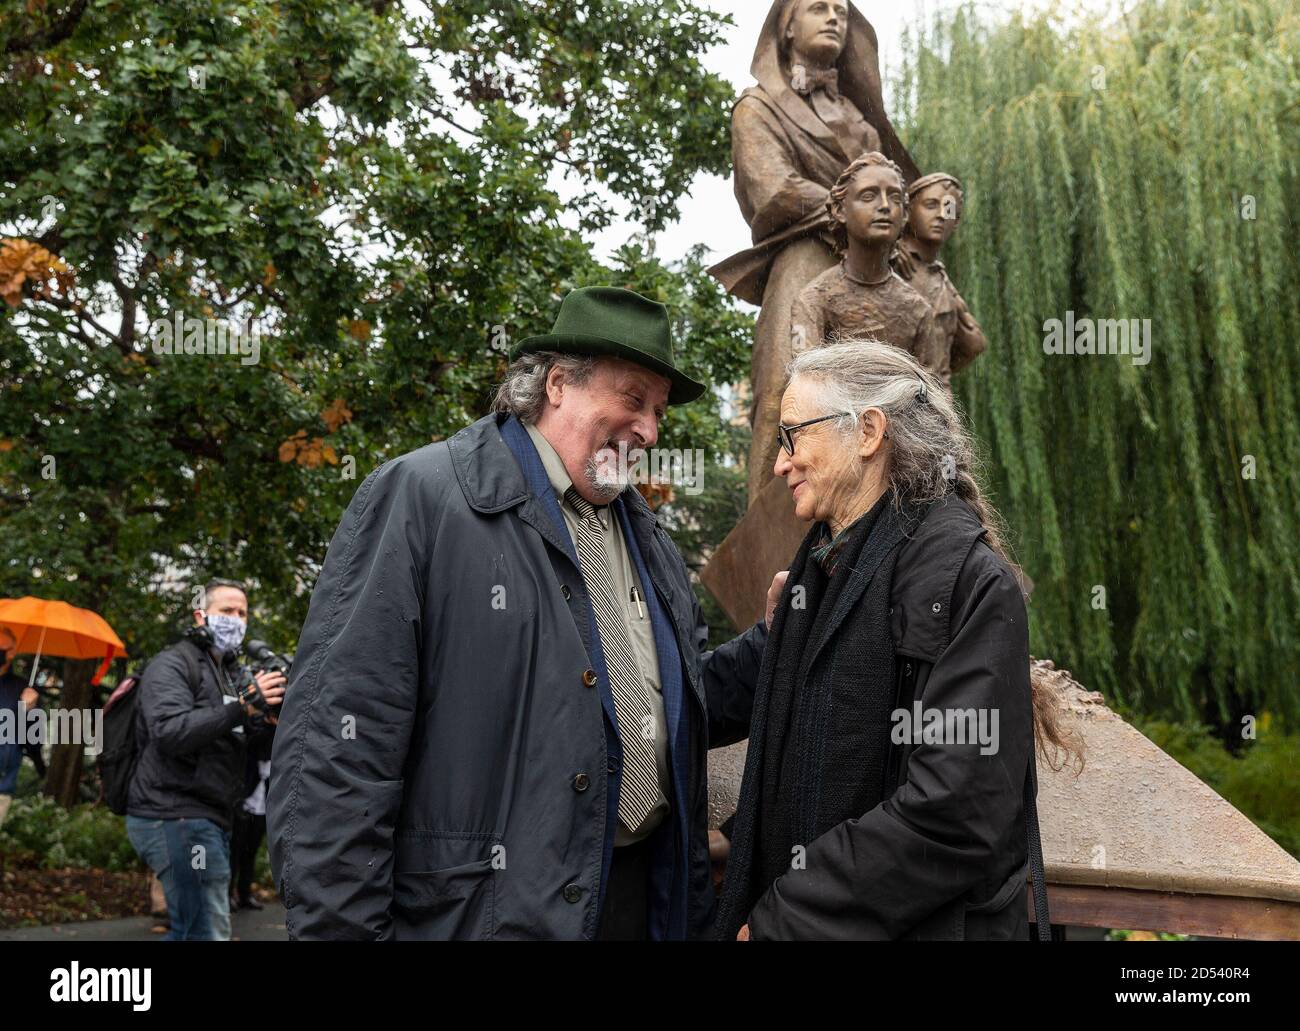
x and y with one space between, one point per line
523 392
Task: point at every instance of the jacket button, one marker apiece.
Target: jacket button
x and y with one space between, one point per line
564 589
589 678
572 893
613 766
936 608
581 782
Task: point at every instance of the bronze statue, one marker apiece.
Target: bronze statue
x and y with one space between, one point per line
817 107
862 296
935 206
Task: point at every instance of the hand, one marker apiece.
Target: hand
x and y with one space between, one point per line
29 697
774 594
719 850
743 934
271 685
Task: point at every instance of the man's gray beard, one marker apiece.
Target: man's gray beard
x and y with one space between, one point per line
601 489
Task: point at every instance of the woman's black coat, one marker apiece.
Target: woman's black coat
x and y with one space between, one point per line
944 856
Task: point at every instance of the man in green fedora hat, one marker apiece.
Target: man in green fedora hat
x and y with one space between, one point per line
607 320
514 646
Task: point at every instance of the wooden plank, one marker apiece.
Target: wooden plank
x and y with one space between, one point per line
1214 916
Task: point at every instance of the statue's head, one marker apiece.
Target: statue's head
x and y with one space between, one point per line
868 202
934 203
814 31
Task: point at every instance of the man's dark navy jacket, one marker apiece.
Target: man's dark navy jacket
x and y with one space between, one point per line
447 763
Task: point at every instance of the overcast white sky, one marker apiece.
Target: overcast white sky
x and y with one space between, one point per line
710 214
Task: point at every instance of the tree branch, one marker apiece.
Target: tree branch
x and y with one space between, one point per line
127 295
438 112
305 94
56 33
81 314
201 447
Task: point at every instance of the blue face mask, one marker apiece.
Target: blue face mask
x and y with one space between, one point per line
227 632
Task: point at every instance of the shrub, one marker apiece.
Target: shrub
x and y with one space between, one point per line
83 837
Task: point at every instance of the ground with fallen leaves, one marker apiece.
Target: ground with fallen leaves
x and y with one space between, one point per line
32 897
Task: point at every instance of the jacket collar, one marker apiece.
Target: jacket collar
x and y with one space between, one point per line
498 468
489 476
930 559
492 481
909 244
925 578
884 536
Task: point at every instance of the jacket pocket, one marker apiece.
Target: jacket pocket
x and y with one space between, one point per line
444 884
438 905
1004 916
217 776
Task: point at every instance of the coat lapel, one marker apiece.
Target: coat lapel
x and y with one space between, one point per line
497 471
533 512
887 534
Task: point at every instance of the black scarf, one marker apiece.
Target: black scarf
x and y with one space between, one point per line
818 744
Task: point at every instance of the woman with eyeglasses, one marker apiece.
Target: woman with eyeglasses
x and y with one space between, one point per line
889 784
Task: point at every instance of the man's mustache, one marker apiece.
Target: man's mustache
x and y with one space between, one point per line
630 448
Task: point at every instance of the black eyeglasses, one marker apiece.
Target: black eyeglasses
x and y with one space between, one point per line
785 434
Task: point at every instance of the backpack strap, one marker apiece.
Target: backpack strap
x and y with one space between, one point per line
189 653
1042 918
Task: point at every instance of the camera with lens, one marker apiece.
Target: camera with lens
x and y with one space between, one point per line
264 660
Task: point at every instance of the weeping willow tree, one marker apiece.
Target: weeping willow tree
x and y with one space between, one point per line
1135 166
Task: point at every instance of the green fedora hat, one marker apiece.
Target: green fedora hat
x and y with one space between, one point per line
620 323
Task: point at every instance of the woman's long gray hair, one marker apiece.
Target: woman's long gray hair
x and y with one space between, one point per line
931 455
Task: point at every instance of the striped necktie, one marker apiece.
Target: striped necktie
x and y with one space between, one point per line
640 791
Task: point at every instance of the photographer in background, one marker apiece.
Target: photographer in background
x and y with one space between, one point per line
196 710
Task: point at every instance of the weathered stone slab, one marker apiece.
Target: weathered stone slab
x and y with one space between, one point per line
1135 818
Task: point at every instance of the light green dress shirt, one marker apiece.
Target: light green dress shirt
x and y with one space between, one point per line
640 633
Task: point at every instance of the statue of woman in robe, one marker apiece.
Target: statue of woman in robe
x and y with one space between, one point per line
817 107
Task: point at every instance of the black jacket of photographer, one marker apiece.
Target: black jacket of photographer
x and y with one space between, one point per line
190 733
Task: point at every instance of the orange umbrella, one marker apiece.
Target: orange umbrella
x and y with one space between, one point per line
57 628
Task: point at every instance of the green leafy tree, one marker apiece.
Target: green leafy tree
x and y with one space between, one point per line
386 195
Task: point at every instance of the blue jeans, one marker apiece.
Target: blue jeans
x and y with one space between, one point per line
192 860
11 757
